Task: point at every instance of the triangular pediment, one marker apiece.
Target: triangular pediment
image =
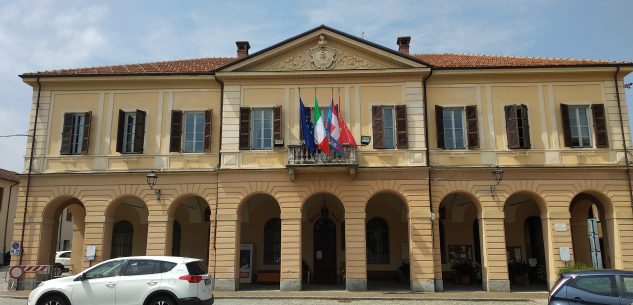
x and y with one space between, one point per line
324 49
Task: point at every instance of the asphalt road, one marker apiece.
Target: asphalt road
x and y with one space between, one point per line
8 301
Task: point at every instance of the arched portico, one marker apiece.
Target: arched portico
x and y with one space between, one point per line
126 218
592 227
189 227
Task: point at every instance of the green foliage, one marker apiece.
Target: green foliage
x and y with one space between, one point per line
574 267
462 267
519 267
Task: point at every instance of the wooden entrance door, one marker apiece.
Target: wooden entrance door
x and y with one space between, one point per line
324 251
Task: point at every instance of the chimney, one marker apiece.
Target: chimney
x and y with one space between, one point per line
403 44
242 48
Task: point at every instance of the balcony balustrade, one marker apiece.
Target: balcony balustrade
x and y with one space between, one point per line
299 156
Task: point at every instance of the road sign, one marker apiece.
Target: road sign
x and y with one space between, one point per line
16 272
16 248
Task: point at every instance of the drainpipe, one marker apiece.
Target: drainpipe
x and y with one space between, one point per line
28 180
626 153
217 180
428 157
6 221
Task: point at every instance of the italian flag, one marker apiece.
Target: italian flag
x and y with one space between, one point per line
320 135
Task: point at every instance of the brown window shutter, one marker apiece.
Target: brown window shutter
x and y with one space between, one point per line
245 128
208 114
175 137
401 126
277 124
85 142
139 131
600 125
439 126
473 127
67 132
564 113
377 127
512 126
526 127
119 134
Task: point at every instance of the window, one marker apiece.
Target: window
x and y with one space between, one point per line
122 235
141 267
108 269
598 284
2 197
190 131
457 127
175 239
272 242
517 126
377 241
389 125
260 128
69 216
75 133
131 132
576 130
627 285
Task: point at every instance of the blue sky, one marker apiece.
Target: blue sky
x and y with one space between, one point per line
44 35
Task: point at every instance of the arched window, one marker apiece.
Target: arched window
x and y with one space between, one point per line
122 234
175 239
272 242
377 241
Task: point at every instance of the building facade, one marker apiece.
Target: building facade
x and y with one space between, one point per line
482 170
8 202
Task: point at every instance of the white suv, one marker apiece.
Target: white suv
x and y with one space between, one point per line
146 280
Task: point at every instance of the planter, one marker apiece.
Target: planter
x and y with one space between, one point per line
464 279
520 279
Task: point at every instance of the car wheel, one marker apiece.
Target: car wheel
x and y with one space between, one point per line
59 268
162 300
53 300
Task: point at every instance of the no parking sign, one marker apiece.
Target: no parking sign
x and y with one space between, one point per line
16 272
16 248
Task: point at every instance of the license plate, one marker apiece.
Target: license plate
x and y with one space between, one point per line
207 282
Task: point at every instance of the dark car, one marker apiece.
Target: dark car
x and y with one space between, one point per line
593 287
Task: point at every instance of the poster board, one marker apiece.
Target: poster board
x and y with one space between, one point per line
246 263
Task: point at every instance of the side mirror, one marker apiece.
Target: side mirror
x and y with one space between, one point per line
81 277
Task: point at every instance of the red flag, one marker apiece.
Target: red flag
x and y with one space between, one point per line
346 136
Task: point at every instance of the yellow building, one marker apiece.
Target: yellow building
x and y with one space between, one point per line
490 171
8 202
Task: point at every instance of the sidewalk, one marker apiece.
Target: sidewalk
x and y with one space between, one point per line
364 295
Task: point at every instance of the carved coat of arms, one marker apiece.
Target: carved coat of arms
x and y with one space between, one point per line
323 56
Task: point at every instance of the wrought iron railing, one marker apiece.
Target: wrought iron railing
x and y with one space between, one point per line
298 155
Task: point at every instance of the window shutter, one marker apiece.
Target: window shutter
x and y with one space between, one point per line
67 131
564 113
208 114
86 137
276 124
401 126
473 127
600 125
526 127
175 138
245 128
139 130
119 134
377 127
512 126
439 126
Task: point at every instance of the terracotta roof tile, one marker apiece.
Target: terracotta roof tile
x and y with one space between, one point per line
210 64
9 175
449 60
193 66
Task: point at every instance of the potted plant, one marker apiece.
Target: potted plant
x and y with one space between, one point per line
574 267
404 272
463 270
341 273
519 272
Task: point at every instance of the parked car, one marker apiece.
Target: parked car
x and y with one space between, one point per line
149 280
62 262
593 287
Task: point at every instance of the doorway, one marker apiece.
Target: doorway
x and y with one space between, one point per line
324 251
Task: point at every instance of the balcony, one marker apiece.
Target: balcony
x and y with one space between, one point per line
299 157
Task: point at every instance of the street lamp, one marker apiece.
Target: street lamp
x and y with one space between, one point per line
497 173
151 181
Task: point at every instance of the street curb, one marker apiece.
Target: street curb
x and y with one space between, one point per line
373 298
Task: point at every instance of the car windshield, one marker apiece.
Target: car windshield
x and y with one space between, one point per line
107 269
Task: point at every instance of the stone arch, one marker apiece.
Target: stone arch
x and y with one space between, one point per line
591 206
192 213
51 229
133 209
526 227
469 195
399 195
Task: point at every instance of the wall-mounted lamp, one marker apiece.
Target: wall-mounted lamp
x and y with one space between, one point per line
497 172
364 140
151 181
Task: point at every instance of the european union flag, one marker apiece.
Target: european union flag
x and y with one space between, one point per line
307 129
